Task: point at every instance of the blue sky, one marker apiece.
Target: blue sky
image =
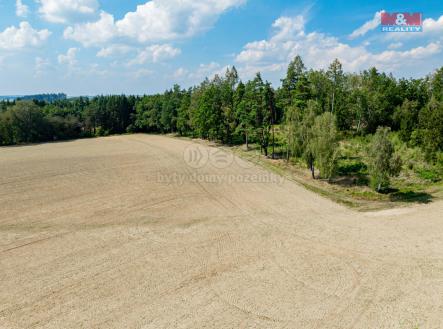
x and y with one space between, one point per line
89 47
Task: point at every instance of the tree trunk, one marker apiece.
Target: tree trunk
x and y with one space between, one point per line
247 142
273 142
333 101
312 170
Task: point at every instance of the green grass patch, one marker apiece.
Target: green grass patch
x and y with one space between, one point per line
431 175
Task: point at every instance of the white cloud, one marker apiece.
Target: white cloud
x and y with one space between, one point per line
319 50
156 20
94 69
21 10
368 26
142 73
395 45
432 28
41 64
116 49
64 11
165 20
287 27
397 58
206 71
180 73
156 53
70 58
89 34
13 38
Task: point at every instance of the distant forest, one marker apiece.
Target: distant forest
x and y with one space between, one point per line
40 97
232 111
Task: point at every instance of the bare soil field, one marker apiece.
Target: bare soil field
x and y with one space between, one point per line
154 232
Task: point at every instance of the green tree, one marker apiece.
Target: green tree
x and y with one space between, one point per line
29 123
294 85
228 89
244 114
306 137
336 78
183 116
294 145
6 128
437 85
325 144
357 103
269 118
383 162
319 85
431 128
406 118
300 135
64 127
148 113
381 99
91 119
337 90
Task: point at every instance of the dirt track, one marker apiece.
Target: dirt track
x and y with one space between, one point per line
121 232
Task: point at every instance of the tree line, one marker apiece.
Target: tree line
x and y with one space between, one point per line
313 109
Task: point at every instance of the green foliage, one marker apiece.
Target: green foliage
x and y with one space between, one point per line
294 84
351 167
313 138
431 175
439 157
406 116
183 115
431 124
28 123
293 121
6 128
243 114
336 79
325 144
64 128
383 162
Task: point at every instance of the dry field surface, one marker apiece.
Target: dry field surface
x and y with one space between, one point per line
147 232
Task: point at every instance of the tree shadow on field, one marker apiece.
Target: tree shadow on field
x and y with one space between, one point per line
410 196
353 173
351 180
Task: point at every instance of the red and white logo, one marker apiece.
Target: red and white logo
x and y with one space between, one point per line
401 22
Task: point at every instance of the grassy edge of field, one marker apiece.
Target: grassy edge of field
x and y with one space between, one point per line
295 174
361 199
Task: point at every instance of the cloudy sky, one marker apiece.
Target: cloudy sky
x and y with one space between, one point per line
89 47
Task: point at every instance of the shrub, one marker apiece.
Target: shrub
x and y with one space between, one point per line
383 162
